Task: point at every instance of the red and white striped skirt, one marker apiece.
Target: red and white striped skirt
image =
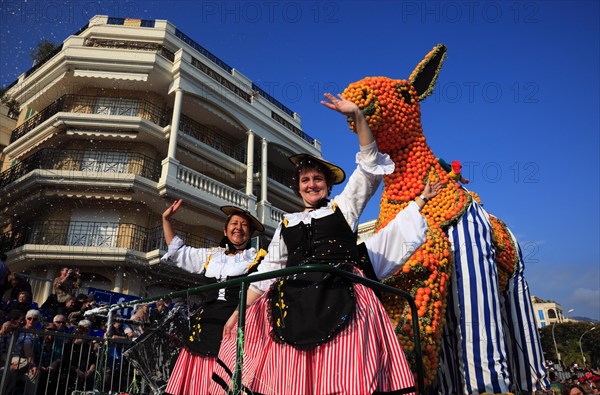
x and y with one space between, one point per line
364 358
191 374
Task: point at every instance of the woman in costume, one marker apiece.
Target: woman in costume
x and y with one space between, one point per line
233 258
316 333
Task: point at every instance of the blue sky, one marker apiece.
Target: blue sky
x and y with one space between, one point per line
517 100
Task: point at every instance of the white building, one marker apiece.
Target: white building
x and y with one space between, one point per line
124 117
547 312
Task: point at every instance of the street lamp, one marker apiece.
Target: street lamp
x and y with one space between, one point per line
580 348
554 339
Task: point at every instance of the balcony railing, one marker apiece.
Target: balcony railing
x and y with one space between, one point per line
212 187
221 80
212 137
94 105
415 355
292 128
131 45
209 55
85 161
93 234
271 99
277 215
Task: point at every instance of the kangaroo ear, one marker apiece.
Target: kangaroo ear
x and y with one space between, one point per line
424 76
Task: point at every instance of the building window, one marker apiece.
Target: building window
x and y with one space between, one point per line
117 106
91 228
543 324
541 314
30 113
105 161
551 313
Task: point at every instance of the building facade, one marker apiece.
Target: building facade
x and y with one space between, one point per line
7 125
547 312
121 119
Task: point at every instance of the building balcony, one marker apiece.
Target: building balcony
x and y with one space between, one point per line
67 236
96 169
214 138
94 105
155 51
85 161
105 107
196 186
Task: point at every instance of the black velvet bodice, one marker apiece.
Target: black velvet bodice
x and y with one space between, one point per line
327 240
203 337
309 309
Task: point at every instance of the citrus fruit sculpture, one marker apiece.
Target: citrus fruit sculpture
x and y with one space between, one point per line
477 328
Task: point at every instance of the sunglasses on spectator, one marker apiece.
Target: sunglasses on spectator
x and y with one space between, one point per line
31 318
59 322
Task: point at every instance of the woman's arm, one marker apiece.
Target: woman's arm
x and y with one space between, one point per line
230 326
393 245
166 220
372 165
56 284
187 258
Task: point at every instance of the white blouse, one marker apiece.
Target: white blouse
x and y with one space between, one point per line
393 245
362 184
212 262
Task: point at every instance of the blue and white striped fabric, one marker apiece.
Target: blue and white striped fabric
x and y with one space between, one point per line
474 354
524 345
451 372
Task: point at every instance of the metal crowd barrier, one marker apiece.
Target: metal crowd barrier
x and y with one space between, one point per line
107 382
67 364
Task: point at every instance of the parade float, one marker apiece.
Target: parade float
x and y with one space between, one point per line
477 329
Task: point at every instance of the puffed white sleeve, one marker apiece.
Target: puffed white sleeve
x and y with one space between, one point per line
187 258
393 245
372 165
275 259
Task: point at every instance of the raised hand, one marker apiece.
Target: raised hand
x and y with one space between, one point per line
172 209
168 230
351 111
340 104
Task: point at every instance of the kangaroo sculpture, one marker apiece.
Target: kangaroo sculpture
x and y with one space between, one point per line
477 328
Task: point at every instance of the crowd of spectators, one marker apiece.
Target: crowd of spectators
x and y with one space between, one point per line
48 357
573 380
